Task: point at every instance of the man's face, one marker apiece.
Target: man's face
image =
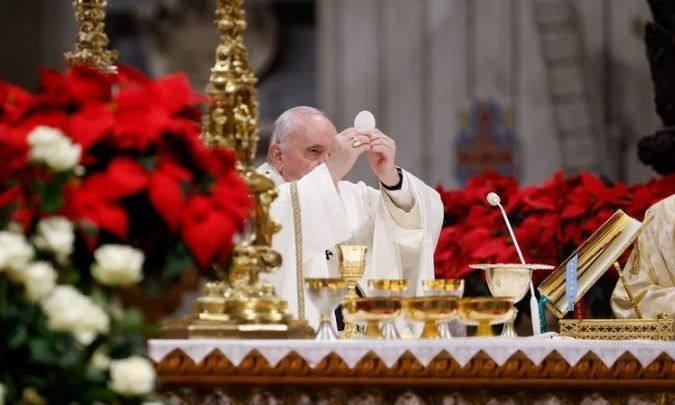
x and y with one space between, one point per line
304 150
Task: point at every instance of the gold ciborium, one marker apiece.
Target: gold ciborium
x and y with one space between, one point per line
372 311
430 310
451 287
485 311
509 280
351 265
325 293
388 288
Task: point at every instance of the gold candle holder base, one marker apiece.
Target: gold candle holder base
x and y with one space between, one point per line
220 314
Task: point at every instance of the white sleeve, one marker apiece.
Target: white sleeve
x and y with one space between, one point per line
402 206
322 211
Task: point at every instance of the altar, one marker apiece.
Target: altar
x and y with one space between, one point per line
477 370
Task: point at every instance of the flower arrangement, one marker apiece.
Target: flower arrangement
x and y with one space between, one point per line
105 185
126 165
550 221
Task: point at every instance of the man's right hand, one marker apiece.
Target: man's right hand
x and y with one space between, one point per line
343 154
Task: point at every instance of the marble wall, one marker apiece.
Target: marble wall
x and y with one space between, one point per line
419 66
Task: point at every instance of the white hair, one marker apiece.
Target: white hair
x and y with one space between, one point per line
290 122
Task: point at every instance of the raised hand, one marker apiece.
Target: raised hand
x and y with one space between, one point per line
344 152
382 158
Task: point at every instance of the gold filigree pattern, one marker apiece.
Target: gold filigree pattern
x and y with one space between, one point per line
91 43
661 328
232 119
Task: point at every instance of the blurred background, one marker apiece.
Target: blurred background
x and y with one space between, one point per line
523 87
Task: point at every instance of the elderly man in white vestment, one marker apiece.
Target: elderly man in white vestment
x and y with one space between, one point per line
650 270
399 223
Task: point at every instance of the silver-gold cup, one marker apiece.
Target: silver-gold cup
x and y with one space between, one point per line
326 294
451 287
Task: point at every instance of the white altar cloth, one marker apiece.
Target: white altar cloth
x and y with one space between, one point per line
462 350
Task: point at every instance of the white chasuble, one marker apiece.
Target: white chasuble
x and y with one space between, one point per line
401 239
650 269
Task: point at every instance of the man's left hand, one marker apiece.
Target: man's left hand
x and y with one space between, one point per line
382 158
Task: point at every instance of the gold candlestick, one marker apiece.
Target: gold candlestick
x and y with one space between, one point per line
251 309
91 43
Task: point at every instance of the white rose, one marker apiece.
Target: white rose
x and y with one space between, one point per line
2 394
57 235
51 146
99 360
132 376
15 252
118 265
69 311
39 279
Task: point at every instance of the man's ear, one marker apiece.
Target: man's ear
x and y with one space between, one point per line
276 158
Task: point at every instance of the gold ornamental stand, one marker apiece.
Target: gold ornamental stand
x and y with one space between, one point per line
91 43
239 306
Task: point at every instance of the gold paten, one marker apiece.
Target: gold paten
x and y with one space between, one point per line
485 311
372 311
239 306
91 43
351 265
430 310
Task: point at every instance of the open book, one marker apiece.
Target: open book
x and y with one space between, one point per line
595 256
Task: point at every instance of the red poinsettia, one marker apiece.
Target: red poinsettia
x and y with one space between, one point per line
120 155
549 221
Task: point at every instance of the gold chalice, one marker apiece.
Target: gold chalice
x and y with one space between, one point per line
452 287
430 310
372 311
485 311
325 293
351 265
509 280
388 288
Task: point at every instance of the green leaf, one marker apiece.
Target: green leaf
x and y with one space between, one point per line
69 358
205 184
132 320
177 261
51 196
17 337
148 162
71 276
41 352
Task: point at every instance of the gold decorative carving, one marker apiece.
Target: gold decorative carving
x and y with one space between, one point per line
177 369
91 43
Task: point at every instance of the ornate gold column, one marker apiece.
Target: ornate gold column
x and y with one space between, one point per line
240 306
91 43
